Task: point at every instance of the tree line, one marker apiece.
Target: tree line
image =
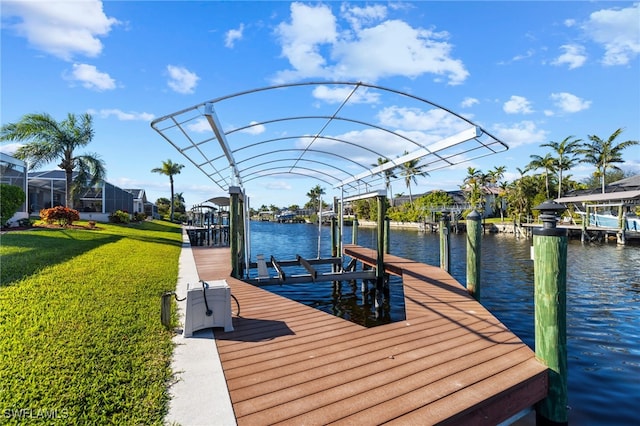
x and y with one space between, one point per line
514 199
47 140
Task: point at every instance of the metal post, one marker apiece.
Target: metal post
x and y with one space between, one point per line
550 284
474 239
445 240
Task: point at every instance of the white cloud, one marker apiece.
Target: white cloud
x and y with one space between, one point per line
123 116
434 120
181 79
528 54
278 185
574 56
569 103
10 148
301 39
517 105
469 102
358 16
62 29
201 125
618 32
91 78
518 134
339 94
569 23
232 36
368 51
255 129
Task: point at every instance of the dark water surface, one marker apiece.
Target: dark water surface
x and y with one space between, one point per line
603 303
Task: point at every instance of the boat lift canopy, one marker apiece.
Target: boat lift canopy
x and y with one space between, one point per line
349 135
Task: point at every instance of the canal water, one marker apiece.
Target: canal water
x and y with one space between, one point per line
603 303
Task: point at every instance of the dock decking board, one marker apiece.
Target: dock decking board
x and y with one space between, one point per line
449 362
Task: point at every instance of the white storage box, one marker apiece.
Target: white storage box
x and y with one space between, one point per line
218 300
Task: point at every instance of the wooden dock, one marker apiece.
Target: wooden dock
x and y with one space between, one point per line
449 362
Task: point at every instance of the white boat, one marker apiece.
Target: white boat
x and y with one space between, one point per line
608 220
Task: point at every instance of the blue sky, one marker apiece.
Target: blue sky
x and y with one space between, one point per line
528 72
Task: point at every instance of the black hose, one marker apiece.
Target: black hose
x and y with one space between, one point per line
208 312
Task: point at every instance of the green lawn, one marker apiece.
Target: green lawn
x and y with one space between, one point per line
81 338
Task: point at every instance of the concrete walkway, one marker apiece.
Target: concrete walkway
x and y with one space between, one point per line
199 395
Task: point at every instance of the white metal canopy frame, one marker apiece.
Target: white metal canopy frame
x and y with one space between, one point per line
334 132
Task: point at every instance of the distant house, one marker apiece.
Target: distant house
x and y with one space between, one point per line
14 172
48 189
141 205
625 193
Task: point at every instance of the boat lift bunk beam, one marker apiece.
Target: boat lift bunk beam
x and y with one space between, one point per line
313 274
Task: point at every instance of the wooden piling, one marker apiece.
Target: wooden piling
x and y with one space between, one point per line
334 247
550 286
474 239
165 309
234 234
354 231
380 243
445 246
387 230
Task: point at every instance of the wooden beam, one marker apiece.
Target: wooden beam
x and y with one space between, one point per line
312 271
262 267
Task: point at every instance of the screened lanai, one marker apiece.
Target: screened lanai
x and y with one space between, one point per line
48 189
349 135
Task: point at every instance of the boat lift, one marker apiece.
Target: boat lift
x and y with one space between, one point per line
318 140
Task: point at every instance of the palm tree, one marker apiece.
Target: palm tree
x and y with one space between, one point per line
315 194
48 140
178 201
566 151
388 175
473 186
603 154
169 168
493 178
547 163
519 203
410 171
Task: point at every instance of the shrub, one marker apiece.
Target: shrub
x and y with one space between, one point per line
63 215
119 216
25 222
139 217
11 197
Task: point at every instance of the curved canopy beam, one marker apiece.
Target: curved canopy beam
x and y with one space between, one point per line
343 128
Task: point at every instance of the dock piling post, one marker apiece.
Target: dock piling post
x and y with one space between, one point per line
333 237
381 201
387 229
474 239
550 293
234 230
445 239
354 230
